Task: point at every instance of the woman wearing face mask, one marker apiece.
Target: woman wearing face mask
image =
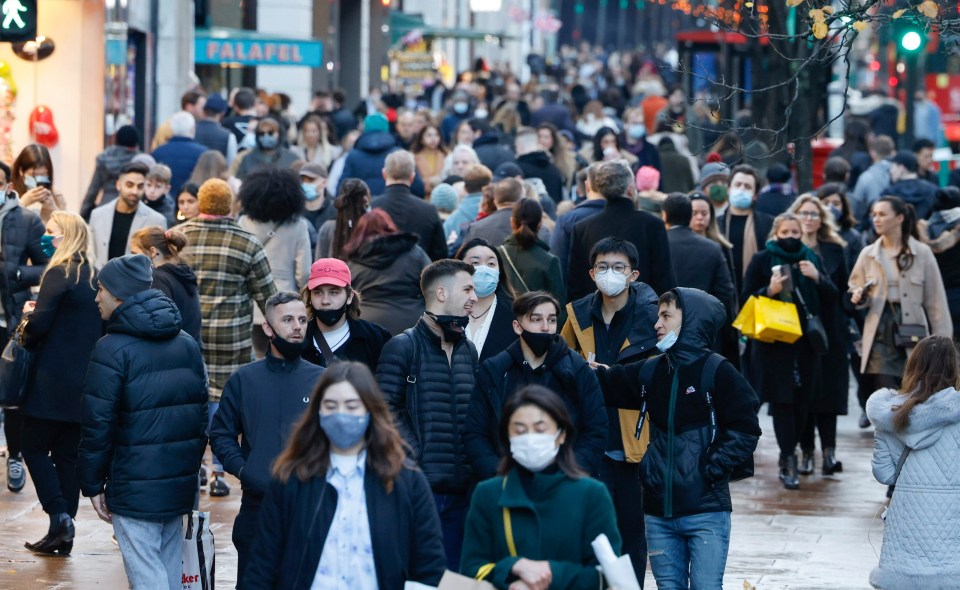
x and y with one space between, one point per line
491 321
344 509
830 399
521 533
834 196
352 202
336 332
32 178
530 264
269 150
606 146
788 375
63 326
539 357
171 275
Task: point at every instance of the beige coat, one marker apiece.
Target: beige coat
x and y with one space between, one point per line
922 296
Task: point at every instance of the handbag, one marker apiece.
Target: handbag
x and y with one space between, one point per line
503 251
904 335
816 334
199 557
16 362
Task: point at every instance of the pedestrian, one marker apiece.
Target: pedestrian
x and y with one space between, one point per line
112 224
32 177
592 204
269 151
344 509
789 376
520 529
103 189
830 399
233 273
156 193
491 320
351 203
906 184
606 147
476 179
367 159
834 196
458 114
777 196
411 214
698 440
614 325
187 202
872 182
897 281
319 203
497 226
385 265
530 265
916 441
564 159
210 131
642 152
430 154
491 147
143 423
649 198
427 377
336 332
317 142
212 164
854 149
260 404
538 357
62 328
676 171
181 152
535 162
744 227
172 276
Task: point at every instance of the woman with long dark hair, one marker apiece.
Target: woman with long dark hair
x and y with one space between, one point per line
62 328
606 146
352 202
32 178
530 265
345 510
520 527
386 265
491 321
916 446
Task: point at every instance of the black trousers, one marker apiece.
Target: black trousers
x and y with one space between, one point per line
623 481
12 430
789 421
244 531
826 425
50 452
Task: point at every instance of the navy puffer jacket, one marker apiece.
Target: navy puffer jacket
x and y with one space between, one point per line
144 414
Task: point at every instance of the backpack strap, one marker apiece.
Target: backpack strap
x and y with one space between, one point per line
646 378
707 378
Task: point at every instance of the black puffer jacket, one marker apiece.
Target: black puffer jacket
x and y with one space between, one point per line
386 272
430 413
682 472
19 243
564 372
144 414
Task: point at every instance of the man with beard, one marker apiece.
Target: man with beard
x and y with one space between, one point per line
260 403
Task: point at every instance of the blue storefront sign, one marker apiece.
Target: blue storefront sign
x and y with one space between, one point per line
245 49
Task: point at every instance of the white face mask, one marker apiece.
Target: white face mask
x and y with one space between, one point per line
611 283
668 341
534 451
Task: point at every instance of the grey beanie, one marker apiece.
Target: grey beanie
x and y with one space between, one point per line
712 170
444 197
126 276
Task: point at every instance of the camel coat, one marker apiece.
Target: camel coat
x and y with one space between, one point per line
923 299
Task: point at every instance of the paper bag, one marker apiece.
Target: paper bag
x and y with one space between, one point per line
618 571
776 321
454 581
198 552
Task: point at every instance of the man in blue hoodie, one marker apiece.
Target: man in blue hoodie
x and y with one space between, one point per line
369 155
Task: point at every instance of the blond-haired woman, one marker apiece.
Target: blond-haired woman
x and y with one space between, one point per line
830 399
62 327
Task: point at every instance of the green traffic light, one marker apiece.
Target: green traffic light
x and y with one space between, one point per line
911 41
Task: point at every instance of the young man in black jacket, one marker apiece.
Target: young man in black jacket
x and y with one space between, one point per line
427 376
539 357
261 402
698 439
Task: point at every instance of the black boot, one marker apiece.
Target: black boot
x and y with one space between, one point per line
830 463
806 463
789 474
59 539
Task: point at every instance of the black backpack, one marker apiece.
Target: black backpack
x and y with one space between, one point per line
707 378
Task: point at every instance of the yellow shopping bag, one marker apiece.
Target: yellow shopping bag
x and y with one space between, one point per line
745 319
776 321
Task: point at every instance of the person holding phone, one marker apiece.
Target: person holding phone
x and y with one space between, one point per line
32 178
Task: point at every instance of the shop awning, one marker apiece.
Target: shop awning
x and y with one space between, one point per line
401 24
218 46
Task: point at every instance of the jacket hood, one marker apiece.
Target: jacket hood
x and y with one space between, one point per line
539 158
383 251
375 142
703 317
148 314
181 272
914 191
486 139
667 148
927 420
115 157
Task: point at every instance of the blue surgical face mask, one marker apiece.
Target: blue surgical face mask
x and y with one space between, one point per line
669 340
460 107
836 212
309 190
741 199
637 131
46 244
344 430
485 280
268 141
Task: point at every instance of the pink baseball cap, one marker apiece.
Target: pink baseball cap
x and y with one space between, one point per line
329 271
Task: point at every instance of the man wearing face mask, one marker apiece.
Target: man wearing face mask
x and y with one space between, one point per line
539 357
614 325
459 112
427 375
319 208
259 406
269 150
635 140
703 426
744 227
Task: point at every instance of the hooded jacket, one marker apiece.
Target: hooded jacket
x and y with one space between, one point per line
20 231
366 162
179 283
564 372
538 165
386 272
491 152
415 216
916 192
682 472
109 163
920 542
144 413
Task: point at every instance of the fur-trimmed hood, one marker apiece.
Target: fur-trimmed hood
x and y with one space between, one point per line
927 420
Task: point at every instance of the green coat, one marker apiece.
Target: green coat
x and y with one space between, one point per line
557 524
538 269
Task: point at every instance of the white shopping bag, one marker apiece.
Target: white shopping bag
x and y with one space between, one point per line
618 571
198 553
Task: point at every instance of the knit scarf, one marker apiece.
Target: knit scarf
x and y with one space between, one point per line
790 259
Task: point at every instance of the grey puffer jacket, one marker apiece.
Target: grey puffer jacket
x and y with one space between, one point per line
920 540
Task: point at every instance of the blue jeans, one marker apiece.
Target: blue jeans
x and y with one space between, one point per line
212 408
152 552
453 518
689 552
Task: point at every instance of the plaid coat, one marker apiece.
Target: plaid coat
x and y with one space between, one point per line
233 272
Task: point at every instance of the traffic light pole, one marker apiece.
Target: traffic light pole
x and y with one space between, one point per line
912 64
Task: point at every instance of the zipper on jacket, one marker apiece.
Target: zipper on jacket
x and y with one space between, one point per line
668 476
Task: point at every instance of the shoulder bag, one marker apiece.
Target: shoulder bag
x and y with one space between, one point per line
16 362
816 334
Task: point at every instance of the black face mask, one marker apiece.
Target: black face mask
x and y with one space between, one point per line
791 245
330 317
539 342
288 350
452 325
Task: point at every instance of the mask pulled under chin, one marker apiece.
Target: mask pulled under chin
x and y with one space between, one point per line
453 326
668 341
288 350
534 451
330 317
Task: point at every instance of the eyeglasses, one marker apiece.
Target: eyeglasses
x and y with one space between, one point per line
808 215
619 267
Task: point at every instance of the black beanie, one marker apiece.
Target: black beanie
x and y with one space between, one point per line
128 136
126 276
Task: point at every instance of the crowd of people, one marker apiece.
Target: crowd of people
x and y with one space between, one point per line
419 331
